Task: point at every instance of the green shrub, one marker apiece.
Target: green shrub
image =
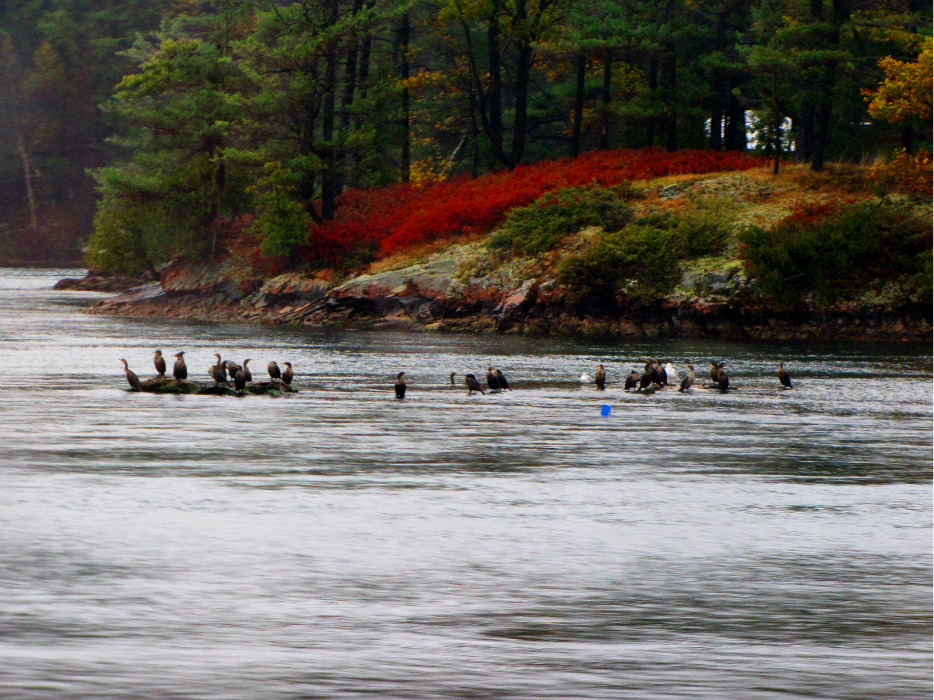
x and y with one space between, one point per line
644 257
541 225
836 252
639 258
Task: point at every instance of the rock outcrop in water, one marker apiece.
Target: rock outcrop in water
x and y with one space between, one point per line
166 385
463 289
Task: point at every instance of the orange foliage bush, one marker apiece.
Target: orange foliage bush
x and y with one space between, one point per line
386 220
906 173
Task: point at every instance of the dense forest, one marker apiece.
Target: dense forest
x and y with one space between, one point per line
153 127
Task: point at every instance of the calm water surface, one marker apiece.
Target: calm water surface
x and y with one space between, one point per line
338 543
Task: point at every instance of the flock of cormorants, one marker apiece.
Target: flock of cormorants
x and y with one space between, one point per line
219 372
655 376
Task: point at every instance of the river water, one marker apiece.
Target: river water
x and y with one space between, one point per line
338 543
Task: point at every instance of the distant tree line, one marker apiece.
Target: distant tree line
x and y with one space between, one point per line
165 120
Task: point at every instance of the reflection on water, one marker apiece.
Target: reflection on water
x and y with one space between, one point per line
340 543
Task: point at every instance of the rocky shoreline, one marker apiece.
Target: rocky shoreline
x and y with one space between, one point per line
464 289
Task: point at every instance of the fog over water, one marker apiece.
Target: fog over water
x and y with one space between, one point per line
338 543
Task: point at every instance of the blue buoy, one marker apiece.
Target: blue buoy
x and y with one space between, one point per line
605 411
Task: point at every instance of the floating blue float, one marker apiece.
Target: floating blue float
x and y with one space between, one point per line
605 411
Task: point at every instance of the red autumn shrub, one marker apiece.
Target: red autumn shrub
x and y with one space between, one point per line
389 219
809 212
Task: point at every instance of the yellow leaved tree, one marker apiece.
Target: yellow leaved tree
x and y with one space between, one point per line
905 96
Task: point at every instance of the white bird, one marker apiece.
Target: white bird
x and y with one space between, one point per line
672 373
586 378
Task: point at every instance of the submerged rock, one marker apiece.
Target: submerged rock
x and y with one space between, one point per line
167 385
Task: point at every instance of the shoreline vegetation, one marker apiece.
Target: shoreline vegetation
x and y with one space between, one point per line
735 253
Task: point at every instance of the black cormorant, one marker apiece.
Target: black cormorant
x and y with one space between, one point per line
287 373
632 381
273 370
714 367
661 376
600 378
131 376
232 368
648 376
246 370
472 384
783 376
400 385
723 378
239 379
688 380
180 370
491 380
501 378
453 374
219 371
159 362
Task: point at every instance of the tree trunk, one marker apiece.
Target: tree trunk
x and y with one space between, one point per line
406 164
520 125
776 134
350 85
495 100
670 85
605 96
27 178
653 87
578 105
804 141
821 136
475 135
736 126
363 74
716 125
328 177
907 138
220 180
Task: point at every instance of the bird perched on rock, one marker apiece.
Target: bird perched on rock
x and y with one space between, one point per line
219 371
714 368
472 384
246 370
232 368
159 362
240 379
287 374
400 385
585 378
784 377
274 371
131 376
632 381
688 380
661 377
648 376
501 378
600 378
180 370
491 380
723 378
